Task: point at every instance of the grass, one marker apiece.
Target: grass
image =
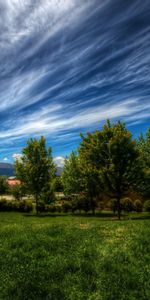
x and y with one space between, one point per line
74 257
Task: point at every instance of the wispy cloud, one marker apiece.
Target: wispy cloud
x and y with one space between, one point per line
67 65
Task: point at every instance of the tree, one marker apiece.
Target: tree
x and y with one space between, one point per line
144 149
17 191
112 154
58 186
71 175
3 185
36 168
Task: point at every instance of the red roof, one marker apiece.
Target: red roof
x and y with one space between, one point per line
13 182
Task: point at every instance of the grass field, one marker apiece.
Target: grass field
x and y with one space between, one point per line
74 257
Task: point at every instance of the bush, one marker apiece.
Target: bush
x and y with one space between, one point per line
53 208
58 208
3 204
50 208
41 207
113 205
83 203
48 196
25 206
138 205
66 207
127 204
147 205
22 206
16 191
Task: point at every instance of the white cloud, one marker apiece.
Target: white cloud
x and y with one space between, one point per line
59 161
51 119
5 159
17 156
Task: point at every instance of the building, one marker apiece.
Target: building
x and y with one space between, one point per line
12 181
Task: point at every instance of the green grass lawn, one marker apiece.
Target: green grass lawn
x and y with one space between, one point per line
74 257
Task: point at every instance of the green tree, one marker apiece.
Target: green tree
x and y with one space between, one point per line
3 185
36 168
17 191
71 175
144 149
57 183
112 154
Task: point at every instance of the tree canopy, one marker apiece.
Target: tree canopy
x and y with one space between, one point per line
36 168
112 153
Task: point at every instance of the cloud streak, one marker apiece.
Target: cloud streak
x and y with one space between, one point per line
67 65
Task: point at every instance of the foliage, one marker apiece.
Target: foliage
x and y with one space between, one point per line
57 184
20 206
113 159
113 205
17 191
144 149
50 208
3 185
36 168
71 175
48 195
138 205
127 204
25 206
41 206
66 207
71 257
147 205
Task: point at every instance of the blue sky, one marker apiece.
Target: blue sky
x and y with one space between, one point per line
68 65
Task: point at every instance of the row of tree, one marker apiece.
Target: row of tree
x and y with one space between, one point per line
108 163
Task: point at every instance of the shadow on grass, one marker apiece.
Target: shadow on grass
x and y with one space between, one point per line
146 217
104 216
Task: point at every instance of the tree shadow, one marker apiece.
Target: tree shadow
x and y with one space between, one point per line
103 216
84 215
147 217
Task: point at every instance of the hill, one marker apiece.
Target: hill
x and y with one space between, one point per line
6 169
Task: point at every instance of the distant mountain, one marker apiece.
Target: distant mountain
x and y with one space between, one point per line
6 169
59 171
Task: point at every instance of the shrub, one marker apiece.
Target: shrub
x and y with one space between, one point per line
50 208
101 205
47 196
25 205
66 207
74 204
84 203
147 205
3 204
58 208
113 205
16 191
41 207
22 206
127 204
138 205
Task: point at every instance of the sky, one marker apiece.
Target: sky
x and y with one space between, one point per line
68 65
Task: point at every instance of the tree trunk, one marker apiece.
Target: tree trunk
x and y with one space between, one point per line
92 206
119 208
36 201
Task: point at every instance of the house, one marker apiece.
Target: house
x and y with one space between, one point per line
12 181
